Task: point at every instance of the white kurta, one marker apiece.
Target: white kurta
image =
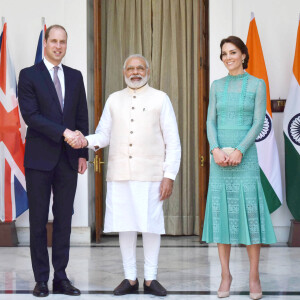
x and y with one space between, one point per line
136 205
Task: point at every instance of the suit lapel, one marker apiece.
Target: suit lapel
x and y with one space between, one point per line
47 78
67 88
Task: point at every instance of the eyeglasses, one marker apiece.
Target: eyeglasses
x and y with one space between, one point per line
139 69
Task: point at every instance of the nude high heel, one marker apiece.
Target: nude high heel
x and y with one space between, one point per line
223 294
255 296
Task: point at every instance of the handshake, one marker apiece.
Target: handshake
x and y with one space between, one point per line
75 139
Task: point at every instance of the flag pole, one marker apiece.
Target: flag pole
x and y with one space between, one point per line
43 25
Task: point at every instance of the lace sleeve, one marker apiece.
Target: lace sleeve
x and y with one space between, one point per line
258 118
211 122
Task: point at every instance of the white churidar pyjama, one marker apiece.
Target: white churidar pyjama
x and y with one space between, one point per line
151 245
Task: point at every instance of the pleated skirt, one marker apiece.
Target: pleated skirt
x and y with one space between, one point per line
236 207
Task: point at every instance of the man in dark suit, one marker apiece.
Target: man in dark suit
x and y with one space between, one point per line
53 104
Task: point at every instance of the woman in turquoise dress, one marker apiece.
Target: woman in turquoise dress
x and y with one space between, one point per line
236 208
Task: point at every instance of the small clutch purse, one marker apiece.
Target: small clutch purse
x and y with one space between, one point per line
228 150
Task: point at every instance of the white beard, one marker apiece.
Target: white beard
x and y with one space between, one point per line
136 84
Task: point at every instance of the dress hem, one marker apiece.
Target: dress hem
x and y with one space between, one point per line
238 243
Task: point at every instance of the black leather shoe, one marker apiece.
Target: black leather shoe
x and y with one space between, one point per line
125 288
41 289
65 287
155 288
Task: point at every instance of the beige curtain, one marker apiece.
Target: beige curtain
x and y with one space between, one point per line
166 33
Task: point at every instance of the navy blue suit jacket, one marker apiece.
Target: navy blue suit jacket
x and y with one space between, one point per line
41 111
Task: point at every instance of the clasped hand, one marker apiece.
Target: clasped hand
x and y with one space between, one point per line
75 139
224 160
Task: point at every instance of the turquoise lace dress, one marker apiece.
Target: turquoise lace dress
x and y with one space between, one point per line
236 208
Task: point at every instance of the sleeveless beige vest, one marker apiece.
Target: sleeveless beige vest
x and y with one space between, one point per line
137 149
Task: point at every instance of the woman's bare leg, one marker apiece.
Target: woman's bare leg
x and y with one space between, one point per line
224 255
253 254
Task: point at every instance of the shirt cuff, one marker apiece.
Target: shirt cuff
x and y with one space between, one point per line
170 175
91 144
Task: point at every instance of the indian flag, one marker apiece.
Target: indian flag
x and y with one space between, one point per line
265 143
291 130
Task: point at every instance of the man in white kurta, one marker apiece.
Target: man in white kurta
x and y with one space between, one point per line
139 125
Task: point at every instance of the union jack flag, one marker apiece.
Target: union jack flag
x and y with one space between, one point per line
40 48
13 197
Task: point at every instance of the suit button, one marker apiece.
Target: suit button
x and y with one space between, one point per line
130 157
132 107
132 120
131 132
134 97
130 145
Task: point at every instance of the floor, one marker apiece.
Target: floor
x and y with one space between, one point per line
187 269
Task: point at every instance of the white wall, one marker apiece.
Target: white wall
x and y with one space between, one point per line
24 25
277 23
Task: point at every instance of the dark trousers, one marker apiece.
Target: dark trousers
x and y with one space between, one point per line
63 181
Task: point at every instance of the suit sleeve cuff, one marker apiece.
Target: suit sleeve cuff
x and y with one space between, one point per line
83 153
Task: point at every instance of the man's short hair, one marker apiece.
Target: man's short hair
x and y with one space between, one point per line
47 32
135 55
